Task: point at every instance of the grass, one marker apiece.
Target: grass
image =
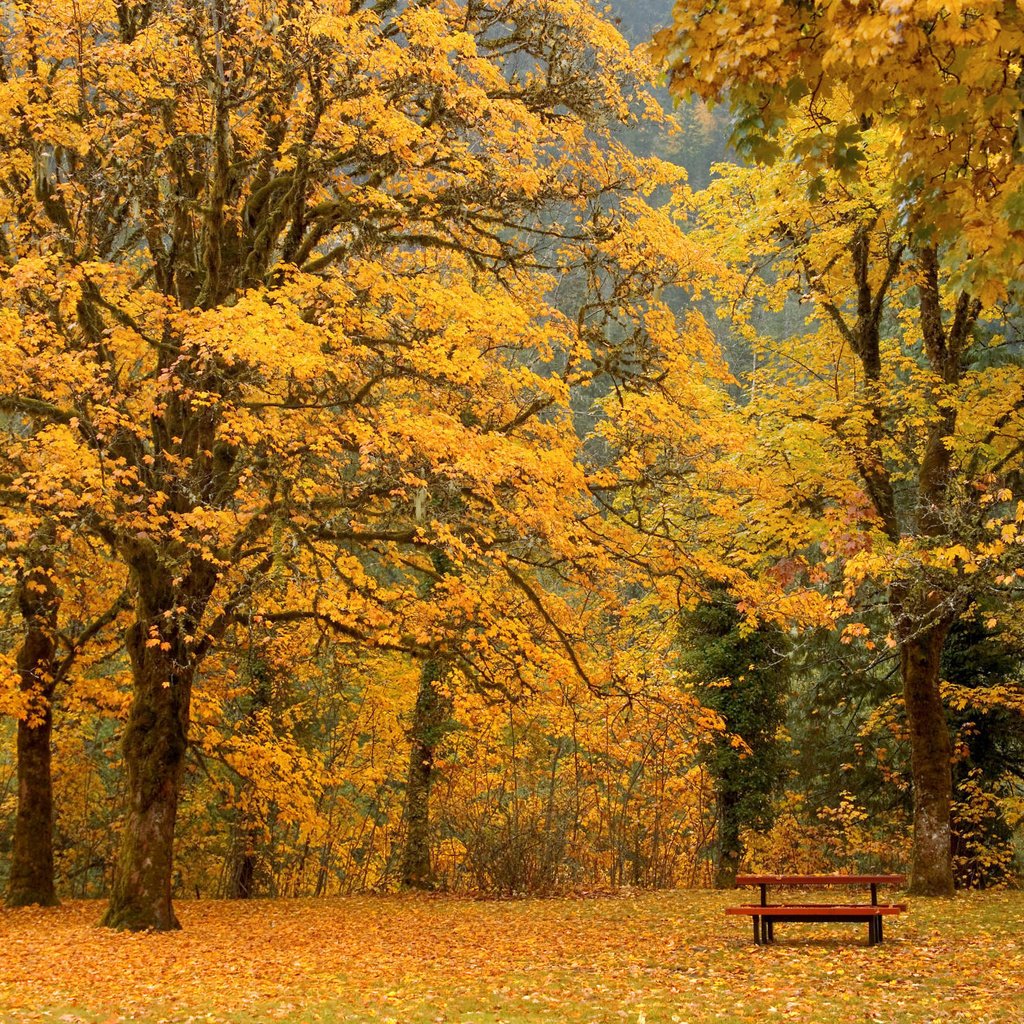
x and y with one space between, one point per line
650 957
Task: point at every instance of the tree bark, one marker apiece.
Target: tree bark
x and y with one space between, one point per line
248 832
728 848
930 760
32 870
155 742
924 618
243 873
429 719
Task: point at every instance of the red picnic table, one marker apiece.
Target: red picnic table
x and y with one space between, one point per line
765 914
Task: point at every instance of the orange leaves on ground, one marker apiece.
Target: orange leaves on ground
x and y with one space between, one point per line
657 958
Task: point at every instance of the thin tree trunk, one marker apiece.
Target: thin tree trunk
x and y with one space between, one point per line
243 875
31 878
429 719
242 871
248 832
930 758
728 848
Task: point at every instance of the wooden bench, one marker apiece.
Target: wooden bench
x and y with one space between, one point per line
765 914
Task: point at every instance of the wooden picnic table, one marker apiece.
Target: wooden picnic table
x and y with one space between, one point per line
765 914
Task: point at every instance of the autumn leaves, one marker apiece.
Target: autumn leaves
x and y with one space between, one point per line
348 342
279 335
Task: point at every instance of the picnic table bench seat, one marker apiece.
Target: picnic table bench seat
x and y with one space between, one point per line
765 914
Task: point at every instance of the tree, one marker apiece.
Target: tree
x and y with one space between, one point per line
431 715
308 278
983 694
61 591
742 674
887 388
31 878
940 80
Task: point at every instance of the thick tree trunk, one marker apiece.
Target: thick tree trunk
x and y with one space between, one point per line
32 875
155 742
429 719
31 880
930 758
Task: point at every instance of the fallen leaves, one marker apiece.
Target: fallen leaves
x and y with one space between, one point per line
660 958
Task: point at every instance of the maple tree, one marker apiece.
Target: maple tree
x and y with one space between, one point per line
275 282
54 597
922 100
944 75
887 386
348 339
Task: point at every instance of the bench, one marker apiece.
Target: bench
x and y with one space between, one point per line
765 914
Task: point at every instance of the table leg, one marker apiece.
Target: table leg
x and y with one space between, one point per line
757 929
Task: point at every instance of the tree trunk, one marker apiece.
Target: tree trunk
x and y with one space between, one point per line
31 880
429 720
930 759
728 848
32 875
243 875
249 832
155 741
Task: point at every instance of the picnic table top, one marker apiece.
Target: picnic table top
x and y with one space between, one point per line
820 879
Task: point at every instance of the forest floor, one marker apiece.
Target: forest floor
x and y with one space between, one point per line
647 958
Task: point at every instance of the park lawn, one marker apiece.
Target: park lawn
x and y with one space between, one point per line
647 957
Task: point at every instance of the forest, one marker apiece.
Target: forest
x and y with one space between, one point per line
508 448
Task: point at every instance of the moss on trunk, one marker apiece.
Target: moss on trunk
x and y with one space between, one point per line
155 742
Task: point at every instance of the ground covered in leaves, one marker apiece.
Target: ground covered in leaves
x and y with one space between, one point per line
645 959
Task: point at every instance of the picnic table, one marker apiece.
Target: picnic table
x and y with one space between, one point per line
765 914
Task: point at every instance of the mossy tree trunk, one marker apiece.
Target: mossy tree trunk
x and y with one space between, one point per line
164 662
430 719
924 612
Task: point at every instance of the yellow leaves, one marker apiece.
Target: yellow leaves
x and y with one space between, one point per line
614 955
14 701
853 631
337 407
952 123
423 26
